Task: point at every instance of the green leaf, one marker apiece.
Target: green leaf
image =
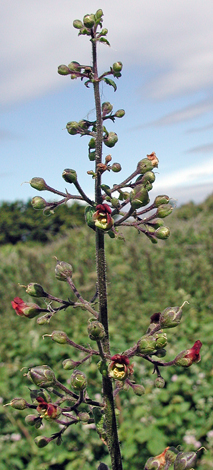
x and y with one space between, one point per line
104 40
111 83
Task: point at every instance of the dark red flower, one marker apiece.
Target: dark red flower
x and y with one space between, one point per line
24 309
102 217
47 410
188 357
120 368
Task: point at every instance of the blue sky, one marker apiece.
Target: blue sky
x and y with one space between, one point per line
166 90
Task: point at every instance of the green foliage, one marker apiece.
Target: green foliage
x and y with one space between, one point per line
18 222
169 274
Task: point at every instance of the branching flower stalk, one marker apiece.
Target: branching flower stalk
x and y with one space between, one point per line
123 204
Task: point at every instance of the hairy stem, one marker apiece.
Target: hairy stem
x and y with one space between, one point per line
110 419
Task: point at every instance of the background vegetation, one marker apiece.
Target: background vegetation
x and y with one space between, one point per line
142 279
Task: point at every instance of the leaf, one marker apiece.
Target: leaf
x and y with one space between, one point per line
111 83
105 41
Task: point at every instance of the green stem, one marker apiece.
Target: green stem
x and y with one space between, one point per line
110 419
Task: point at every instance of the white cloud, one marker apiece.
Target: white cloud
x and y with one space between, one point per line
185 114
188 177
173 40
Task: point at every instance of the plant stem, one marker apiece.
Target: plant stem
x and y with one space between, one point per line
110 419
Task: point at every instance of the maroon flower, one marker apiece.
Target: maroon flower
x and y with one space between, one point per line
23 309
120 368
47 410
102 217
188 357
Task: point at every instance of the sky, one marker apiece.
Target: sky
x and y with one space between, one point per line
166 89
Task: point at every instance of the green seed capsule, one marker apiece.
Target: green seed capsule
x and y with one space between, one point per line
38 183
70 176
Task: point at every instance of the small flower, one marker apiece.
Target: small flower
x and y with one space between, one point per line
120 368
102 217
24 309
189 356
152 157
157 462
47 410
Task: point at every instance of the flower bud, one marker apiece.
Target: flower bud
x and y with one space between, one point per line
111 139
33 420
35 290
78 380
115 202
38 183
156 463
70 176
63 270
120 113
108 159
59 337
144 165
77 24
146 345
85 31
160 340
44 319
99 13
164 210
104 32
88 213
189 356
156 223
74 66
92 158
69 364
116 167
102 367
42 441
160 382
162 233
89 20
148 177
38 202
160 353
72 127
106 108
92 143
139 197
171 316
63 70
96 330
117 67
185 460
138 389
84 416
18 404
161 200
42 376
